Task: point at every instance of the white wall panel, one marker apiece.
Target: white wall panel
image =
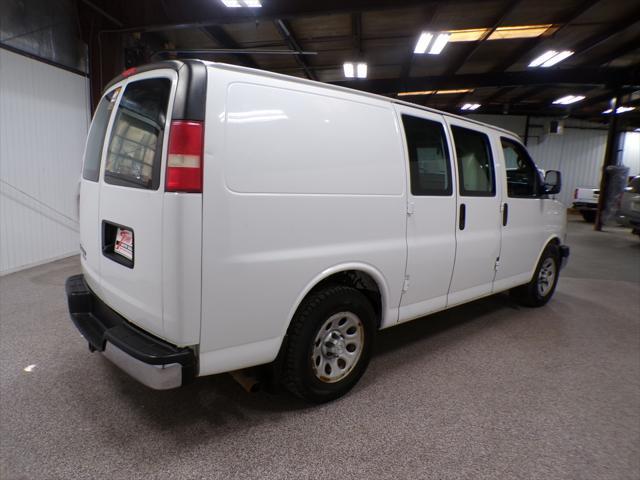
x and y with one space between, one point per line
44 117
631 152
578 154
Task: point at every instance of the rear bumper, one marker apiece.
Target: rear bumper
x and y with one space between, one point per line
149 360
585 206
564 256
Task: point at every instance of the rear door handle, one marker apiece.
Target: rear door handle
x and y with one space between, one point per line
505 214
463 216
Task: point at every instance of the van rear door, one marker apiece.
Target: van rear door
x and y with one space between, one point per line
131 199
90 248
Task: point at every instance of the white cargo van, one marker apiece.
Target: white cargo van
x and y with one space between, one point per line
232 218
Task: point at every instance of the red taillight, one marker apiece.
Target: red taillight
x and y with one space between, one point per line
129 71
575 194
184 161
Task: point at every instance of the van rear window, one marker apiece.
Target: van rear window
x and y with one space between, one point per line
135 146
95 139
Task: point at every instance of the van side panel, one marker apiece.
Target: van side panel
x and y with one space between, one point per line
297 180
182 267
286 141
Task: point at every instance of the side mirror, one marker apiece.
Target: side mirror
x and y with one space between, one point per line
552 182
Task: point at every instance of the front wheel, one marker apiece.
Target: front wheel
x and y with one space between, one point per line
330 343
540 289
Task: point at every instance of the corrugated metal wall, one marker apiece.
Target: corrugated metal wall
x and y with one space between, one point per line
631 152
44 117
578 153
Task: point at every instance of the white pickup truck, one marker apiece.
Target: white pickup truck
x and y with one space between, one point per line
585 200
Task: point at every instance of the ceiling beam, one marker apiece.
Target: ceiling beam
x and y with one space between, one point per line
601 37
566 19
528 93
493 98
405 70
473 48
285 31
621 51
577 76
201 14
356 32
217 33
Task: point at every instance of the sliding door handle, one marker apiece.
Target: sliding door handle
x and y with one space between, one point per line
463 216
505 214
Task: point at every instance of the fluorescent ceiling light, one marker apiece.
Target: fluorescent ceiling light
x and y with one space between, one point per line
351 70
423 42
619 110
426 42
536 62
637 130
435 92
440 42
519 31
348 70
557 58
569 99
550 58
241 3
470 106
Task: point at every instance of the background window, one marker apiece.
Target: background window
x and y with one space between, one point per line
133 157
475 165
523 178
429 165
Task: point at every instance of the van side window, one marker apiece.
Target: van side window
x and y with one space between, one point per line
475 163
523 178
429 166
95 139
133 157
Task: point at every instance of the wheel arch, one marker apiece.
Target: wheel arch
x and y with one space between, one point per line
553 239
364 277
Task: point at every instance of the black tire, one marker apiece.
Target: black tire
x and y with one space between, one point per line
299 376
532 294
588 215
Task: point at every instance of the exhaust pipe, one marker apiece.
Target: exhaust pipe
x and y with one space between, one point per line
246 381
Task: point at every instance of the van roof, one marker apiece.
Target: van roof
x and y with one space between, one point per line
176 64
265 73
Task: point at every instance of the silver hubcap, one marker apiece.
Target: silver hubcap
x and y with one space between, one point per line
337 347
546 276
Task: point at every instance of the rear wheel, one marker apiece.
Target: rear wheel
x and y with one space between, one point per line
330 343
588 215
540 289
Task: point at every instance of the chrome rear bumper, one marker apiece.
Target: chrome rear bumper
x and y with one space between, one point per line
146 358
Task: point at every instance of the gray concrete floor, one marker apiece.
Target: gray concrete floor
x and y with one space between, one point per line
488 390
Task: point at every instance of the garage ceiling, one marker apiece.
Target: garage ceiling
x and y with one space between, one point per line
493 71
